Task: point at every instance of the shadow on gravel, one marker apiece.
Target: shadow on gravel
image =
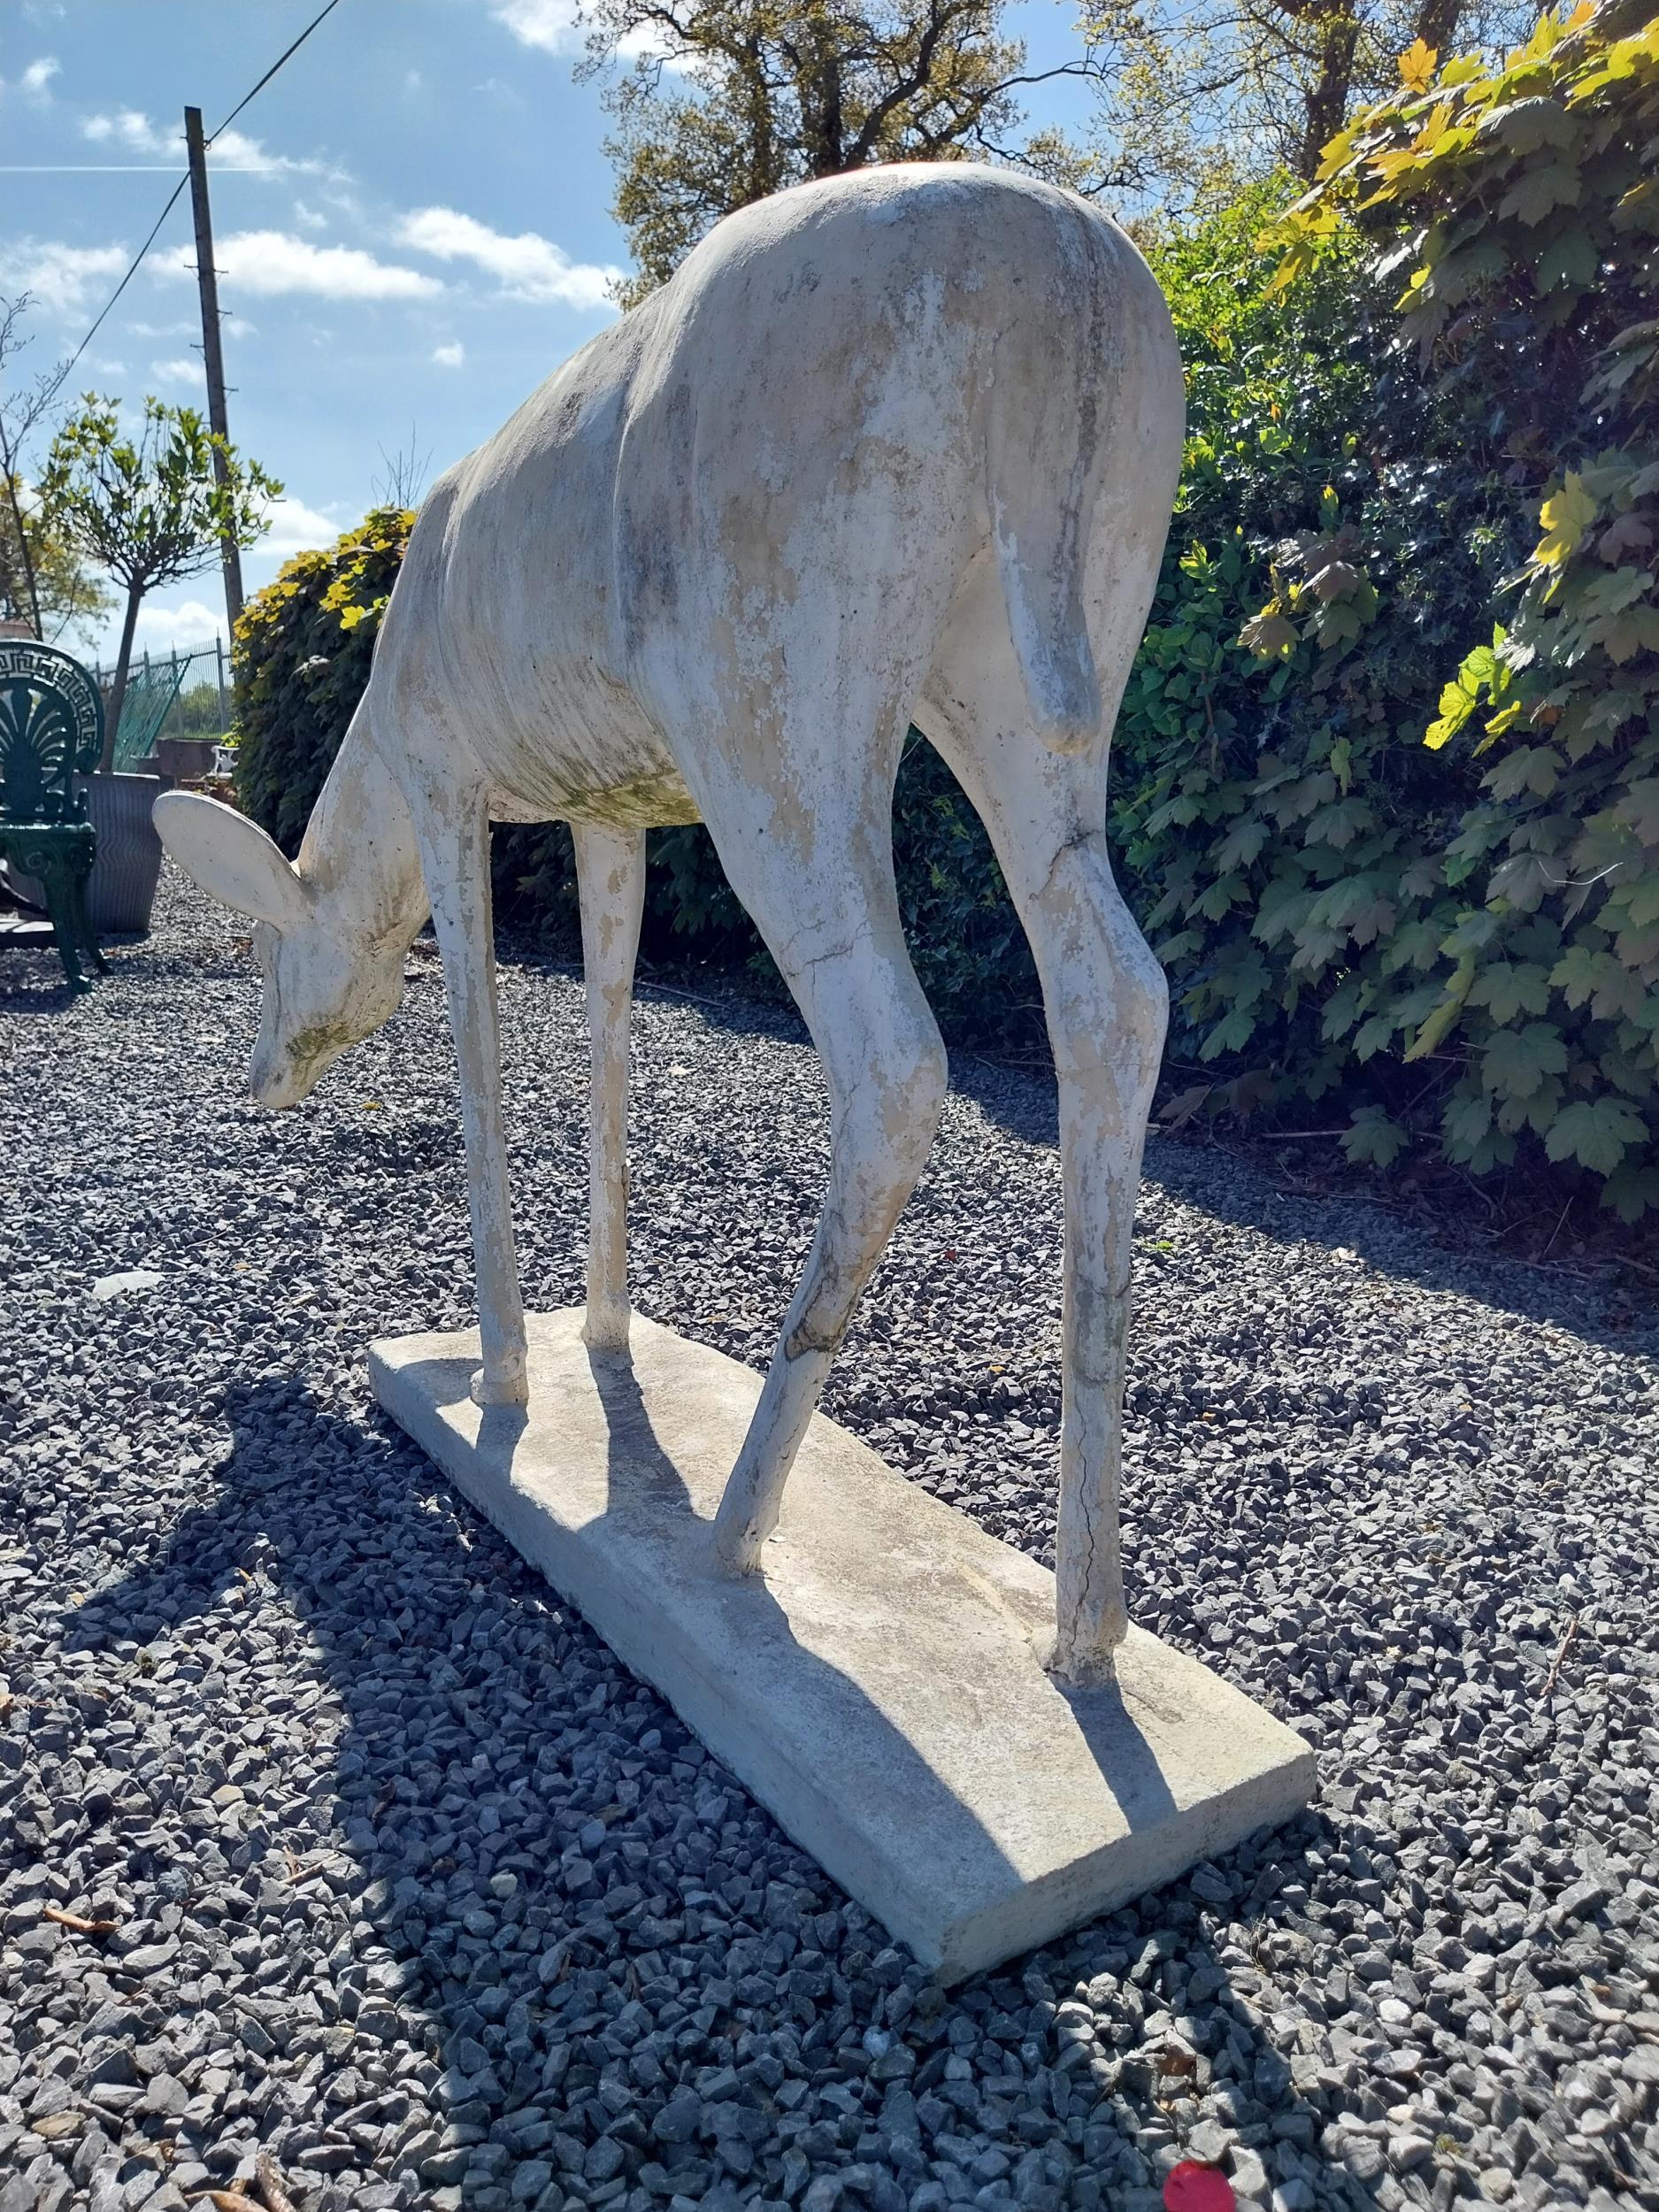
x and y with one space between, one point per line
1403 1245
1021 1102
26 987
521 1942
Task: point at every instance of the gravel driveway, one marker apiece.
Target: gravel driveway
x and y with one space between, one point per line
411 1883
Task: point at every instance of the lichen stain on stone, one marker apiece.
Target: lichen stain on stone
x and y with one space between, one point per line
649 803
313 1048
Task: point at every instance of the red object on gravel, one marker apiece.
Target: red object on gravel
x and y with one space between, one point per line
1194 2188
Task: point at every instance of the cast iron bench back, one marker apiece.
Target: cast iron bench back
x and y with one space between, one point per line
51 731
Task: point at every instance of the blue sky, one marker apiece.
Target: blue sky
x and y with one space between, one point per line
411 224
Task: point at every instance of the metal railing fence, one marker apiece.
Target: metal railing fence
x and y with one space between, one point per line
156 687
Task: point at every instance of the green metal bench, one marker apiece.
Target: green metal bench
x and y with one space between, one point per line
51 731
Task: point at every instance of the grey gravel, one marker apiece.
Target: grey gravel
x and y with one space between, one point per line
415 1888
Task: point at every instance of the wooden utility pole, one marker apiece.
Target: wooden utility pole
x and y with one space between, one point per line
212 354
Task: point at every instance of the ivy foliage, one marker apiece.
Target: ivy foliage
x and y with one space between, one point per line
1520 207
1275 817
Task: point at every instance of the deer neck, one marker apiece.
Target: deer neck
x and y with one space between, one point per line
360 853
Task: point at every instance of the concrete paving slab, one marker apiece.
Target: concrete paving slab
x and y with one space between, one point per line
878 1689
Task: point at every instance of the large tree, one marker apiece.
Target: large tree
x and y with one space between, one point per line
719 102
151 508
1201 96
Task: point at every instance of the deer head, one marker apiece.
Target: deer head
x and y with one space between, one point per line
329 981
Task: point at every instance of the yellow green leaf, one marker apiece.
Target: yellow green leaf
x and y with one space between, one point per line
1566 515
1446 1013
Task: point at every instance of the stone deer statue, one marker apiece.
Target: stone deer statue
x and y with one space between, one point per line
901 445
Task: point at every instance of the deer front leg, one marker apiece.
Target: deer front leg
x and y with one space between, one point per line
611 876
454 854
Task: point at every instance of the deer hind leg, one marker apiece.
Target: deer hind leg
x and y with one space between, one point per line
454 857
829 913
1107 1005
611 876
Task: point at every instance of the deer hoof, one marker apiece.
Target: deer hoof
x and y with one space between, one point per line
1073 1671
511 1388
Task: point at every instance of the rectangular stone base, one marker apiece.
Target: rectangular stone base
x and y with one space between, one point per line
877 1690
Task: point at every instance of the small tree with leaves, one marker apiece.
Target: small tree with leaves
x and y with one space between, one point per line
44 579
149 510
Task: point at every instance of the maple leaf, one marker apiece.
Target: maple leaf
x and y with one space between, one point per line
1629 533
1640 808
1334 580
1269 636
1524 126
1595 1131
1506 989
1622 636
1536 190
1566 515
1416 65
1517 1061
1570 259
1466 1120
1371 1137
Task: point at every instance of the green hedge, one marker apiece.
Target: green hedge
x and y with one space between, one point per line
1518 205
302 660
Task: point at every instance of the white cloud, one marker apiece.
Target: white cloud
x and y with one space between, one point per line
36 83
132 129
232 150
556 27
450 357
184 368
308 219
527 267
188 627
297 528
274 261
63 279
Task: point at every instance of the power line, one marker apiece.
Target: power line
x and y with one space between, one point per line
127 279
275 65
184 180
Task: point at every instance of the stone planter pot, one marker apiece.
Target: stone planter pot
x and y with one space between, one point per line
121 888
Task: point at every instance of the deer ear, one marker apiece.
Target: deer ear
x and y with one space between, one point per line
231 858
